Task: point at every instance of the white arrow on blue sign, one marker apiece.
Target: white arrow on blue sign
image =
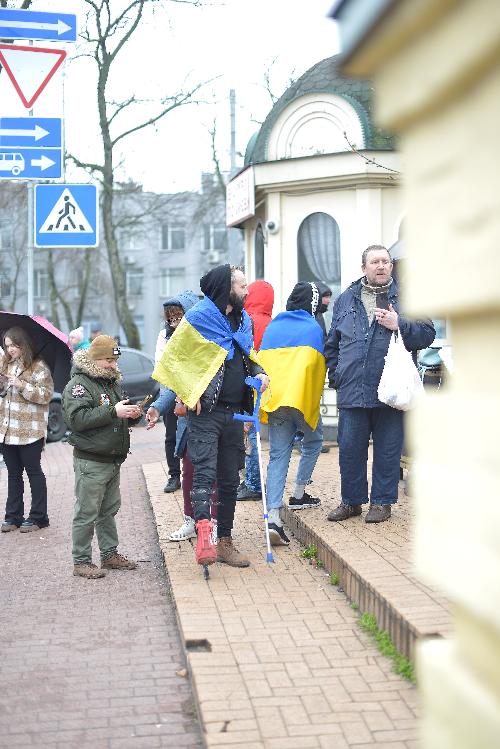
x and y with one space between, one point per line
28 24
66 216
30 147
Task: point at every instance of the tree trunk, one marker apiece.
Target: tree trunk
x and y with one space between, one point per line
116 268
53 295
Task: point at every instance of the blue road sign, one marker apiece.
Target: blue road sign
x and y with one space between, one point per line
30 148
66 216
29 24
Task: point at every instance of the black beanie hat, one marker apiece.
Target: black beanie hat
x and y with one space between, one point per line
305 295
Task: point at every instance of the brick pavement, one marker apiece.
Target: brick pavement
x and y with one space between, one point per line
276 656
91 664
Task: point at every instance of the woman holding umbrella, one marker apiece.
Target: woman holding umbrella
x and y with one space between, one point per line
24 405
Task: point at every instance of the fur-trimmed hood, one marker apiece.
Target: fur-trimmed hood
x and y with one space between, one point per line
83 363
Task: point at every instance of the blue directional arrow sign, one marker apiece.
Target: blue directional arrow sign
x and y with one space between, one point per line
66 216
30 148
29 24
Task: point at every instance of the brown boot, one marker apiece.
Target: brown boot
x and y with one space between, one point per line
118 562
378 513
227 554
88 570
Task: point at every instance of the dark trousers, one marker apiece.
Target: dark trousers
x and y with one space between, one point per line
356 425
19 458
173 462
216 449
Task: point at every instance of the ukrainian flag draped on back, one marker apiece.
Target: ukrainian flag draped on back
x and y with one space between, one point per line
291 353
198 348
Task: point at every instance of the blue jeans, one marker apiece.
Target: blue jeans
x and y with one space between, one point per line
385 425
252 473
284 423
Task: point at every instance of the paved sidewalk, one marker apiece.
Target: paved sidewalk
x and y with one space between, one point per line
91 664
277 658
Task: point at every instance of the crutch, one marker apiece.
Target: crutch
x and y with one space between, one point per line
255 383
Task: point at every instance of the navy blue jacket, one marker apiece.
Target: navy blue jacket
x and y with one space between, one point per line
355 352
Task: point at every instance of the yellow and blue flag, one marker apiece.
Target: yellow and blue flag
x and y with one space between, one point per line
198 348
291 353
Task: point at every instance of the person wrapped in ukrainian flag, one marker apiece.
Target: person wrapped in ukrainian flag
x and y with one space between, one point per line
205 363
292 355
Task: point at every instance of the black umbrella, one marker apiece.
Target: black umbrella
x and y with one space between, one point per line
50 343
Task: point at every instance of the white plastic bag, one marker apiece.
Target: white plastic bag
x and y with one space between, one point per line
400 384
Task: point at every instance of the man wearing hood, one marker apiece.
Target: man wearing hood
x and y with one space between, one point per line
292 355
205 362
98 416
259 305
364 317
174 309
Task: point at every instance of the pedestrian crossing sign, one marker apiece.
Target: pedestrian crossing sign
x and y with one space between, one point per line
66 216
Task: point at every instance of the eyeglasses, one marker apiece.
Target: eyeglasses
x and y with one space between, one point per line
174 320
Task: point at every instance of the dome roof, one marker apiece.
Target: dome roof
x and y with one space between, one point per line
323 78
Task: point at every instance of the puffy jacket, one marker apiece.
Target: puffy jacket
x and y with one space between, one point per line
355 352
88 403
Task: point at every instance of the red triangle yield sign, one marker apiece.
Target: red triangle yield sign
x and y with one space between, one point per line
30 69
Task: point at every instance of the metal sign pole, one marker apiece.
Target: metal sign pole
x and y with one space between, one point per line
31 212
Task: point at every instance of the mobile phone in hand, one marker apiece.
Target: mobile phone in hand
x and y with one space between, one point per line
142 404
382 300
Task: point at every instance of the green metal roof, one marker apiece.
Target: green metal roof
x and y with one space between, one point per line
324 77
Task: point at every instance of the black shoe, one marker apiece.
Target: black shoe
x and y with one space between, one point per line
378 513
277 535
325 449
343 512
172 484
246 493
301 504
9 525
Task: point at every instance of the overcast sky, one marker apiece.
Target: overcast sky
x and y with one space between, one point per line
231 42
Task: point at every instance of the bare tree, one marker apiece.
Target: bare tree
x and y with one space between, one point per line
13 239
107 34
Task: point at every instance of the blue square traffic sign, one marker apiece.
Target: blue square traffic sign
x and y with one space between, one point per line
66 216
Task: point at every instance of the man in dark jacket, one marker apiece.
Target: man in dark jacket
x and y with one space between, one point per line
97 415
205 363
364 317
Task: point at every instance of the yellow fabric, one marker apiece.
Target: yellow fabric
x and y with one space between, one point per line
297 376
188 363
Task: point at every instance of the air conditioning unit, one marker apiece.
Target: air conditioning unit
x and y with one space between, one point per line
213 256
130 259
42 307
131 307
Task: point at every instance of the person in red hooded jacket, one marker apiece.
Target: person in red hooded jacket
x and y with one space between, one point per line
259 305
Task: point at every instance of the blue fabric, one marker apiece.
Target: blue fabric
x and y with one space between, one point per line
355 351
356 425
284 423
252 472
290 329
214 326
163 403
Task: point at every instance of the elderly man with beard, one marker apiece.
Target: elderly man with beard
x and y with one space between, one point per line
364 317
205 363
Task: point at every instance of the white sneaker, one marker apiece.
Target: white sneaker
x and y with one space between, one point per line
187 530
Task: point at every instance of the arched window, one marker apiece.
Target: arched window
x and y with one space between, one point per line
318 250
259 253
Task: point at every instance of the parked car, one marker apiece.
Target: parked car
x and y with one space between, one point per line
136 368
